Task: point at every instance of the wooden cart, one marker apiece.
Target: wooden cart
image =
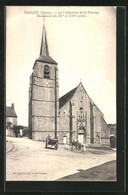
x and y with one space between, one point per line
51 143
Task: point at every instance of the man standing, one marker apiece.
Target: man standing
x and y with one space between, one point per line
21 133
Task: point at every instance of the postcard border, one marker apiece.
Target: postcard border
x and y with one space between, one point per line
74 186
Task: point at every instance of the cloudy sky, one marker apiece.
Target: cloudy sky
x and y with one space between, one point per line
82 40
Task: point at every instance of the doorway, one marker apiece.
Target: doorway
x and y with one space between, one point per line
112 142
64 140
81 138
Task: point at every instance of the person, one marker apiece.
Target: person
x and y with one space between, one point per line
21 133
73 144
46 142
84 148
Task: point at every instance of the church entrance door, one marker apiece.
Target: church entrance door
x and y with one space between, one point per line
64 139
81 138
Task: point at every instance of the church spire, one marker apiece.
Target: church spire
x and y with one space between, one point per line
44 46
44 53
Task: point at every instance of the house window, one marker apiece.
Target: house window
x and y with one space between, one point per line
46 72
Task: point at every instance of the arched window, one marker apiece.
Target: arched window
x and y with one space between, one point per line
46 72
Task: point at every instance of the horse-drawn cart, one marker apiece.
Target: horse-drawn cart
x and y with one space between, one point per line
51 143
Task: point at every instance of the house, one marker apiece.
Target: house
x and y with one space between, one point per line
11 119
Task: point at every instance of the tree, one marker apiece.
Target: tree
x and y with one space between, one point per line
17 129
20 127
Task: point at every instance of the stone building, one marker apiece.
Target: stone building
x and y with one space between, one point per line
43 95
11 119
112 129
81 120
72 117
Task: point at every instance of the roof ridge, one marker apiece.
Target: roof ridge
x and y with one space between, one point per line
68 92
63 99
91 98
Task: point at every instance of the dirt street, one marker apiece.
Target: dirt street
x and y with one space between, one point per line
31 161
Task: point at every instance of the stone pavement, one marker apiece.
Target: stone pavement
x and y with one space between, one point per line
31 161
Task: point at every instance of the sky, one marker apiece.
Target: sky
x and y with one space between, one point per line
82 40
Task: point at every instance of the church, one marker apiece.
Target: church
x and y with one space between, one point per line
73 116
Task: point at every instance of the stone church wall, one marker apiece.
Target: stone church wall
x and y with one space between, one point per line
45 94
40 108
88 119
85 104
100 128
41 136
76 104
63 123
105 133
39 70
43 124
42 102
97 124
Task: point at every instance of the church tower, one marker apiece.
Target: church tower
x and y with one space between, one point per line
44 95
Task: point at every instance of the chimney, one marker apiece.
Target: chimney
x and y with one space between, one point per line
13 105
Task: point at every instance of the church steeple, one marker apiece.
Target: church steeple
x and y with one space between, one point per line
44 94
44 52
44 46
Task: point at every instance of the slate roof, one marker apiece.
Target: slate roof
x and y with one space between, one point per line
10 112
66 97
46 59
44 53
44 45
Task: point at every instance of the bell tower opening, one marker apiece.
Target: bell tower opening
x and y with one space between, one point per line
46 72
